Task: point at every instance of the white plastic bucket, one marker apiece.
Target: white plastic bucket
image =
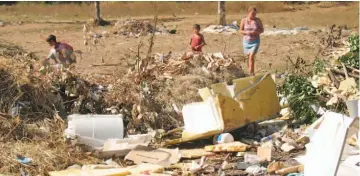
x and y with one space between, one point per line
93 130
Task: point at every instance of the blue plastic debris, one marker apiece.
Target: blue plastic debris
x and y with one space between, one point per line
295 174
23 160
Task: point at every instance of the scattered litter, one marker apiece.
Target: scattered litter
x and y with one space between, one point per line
243 165
240 153
218 29
256 170
121 147
223 138
287 147
288 170
295 174
161 156
194 153
285 31
275 166
23 160
196 167
227 147
264 153
270 138
146 167
303 140
252 158
226 165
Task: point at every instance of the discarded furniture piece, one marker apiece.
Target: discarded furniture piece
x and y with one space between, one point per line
327 144
94 130
228 107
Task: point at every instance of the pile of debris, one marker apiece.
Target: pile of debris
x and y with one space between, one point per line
294 31
219 29
268 148
340 79
176 64
28 93
138 28
330 83
158 87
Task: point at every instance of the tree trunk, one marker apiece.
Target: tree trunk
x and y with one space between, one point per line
98 20
97 11
221 12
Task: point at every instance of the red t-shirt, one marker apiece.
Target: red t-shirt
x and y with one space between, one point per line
196 40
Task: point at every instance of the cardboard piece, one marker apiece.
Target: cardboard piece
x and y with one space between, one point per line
227 147
228 107
264 153
163 157
121 147
287 147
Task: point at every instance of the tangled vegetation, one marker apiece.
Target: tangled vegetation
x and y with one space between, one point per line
352 57
302 95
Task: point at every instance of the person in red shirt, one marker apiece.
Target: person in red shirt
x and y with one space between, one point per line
197 40
61 52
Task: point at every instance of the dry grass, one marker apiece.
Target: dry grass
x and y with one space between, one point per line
43 142
34 133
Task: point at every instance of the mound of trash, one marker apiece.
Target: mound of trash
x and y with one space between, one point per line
134 27
158 87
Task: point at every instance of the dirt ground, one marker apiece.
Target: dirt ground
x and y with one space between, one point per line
272 55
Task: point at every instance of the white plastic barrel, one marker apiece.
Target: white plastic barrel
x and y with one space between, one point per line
94 130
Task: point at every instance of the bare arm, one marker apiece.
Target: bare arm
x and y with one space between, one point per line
261 27
242 27
190 41
203 40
